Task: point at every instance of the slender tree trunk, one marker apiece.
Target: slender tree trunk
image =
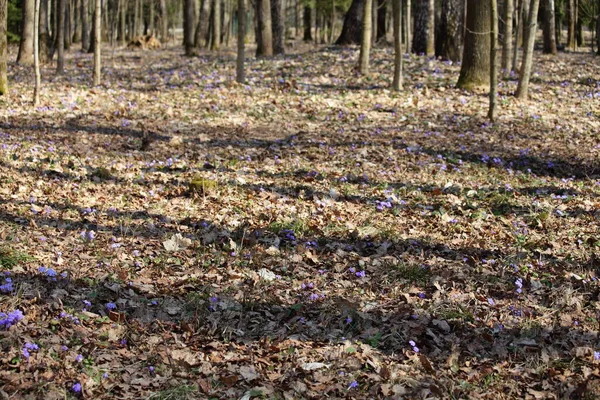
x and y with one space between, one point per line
85 26
365 46
307 21
265 29
67 24
136 19
203 22
36 53
398 56
215 43
451 30
151 7
122 21
419 43
278 27
240 75
60 37
525 72
332 22
475 67
508 36
408 25
382 17
571 35
374 21
352 28
3 47
76 37
164 21
430 49
188 27
549 29
44 43
493 110
598 31
97 41
519 30
25 55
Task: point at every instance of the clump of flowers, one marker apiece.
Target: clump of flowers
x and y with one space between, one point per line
7 286
10 319
29 347
88 236
414 346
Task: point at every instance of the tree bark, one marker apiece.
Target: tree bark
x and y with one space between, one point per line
365 46
381 20
164 21
352 28
60 37
307 22
76 37
3 47
525 72
67 24
451 30
85 26
408 25
45 42
475 67
549 29
398 56
36 53
493 109
25 55
421 12
265 29
519 19
215 42
430 49
572 19
508 36
240 75
188 27
598 31
278 27
97 41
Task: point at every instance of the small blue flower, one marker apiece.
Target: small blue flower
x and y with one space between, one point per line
353 385
76 387
110 306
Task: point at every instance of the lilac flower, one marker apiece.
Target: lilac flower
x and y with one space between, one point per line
597 355
87 304
422 295
105 375
79 358
64 348
76 387
7 287
519 285
10 319
110 306
151 369
414 346
361 274
348 320
491 301
353 385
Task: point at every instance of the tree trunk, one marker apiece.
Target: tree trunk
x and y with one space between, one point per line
419 43
430 49
240 75
508 36
549 30
451 30
365 46
307 22
408 25
60 37
3 47
136 19
45 43
374 20
524 73
36 53
25 55
203 24
67 24
352 28
475 67
122 16
278 27
164 21
397 21
571 39
598 31
265 29
519 19
493 110
381 20
188 27
76 37
85 26
97 41
215 42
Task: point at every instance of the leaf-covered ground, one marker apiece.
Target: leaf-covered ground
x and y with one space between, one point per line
310 234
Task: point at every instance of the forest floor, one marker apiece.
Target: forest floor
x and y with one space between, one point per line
339 240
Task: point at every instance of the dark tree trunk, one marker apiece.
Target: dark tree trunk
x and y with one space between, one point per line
549 30
45 43
67 24
25 55
3 47
85 26
449 42
265 30
419 43
307 21
164 21
381 20
352 29
188 27
203 23
278 27
475 67
92 41
60 37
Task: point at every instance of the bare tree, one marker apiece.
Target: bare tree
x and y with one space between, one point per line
430 50
509 7
278 27
450 38
493 110
188 27
97 41
519 28
265 31
25 55
352 28
215 42
571 34
398 56
475 67
365 46
241 45
36 53
3 47
60 37
549 29
45 41
164 21
85 26
525 72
